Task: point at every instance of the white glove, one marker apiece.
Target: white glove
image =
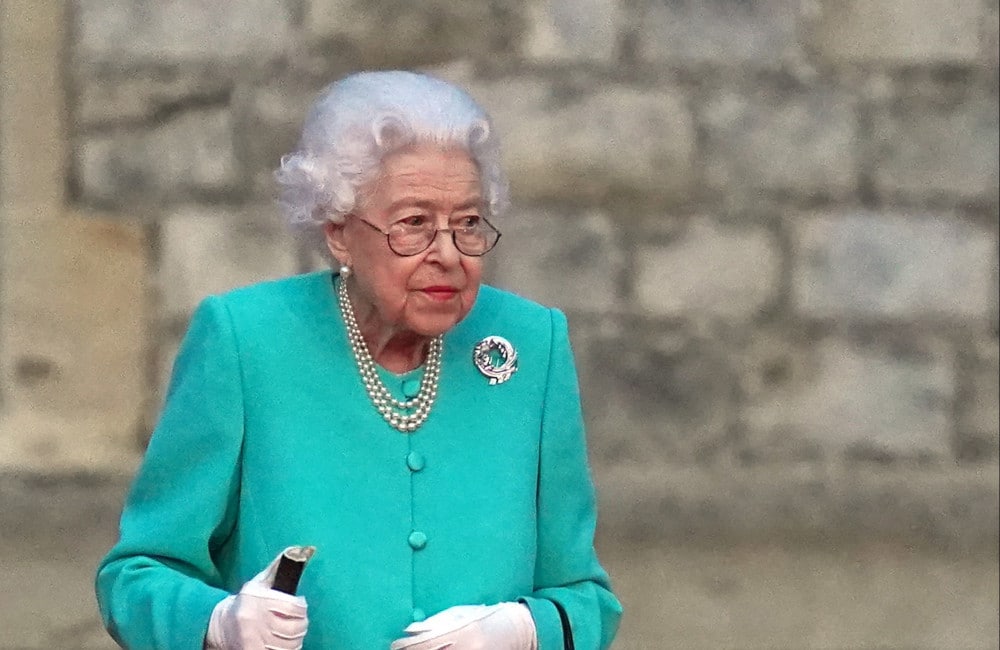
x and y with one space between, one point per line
258 617
507 626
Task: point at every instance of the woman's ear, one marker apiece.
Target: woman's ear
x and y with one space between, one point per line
336 242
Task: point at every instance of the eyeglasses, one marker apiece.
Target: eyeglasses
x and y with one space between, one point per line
474 239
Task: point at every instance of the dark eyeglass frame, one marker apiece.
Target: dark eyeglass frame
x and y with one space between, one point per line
454 239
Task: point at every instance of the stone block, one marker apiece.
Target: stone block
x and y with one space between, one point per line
892 266
978 437
574 30
74 307
33 25
723 32
856 400
907 32
73 343
710 271
834 506
926 150
192 154
397 33
570 260
31 110
802 144
590 143
108 95
270 121
652 395
181 31
770 361
205 251
990 45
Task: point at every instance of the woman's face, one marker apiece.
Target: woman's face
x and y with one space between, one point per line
428 293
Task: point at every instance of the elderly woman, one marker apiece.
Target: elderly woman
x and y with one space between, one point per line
420 430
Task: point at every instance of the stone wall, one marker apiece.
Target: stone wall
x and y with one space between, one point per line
72 280
772 223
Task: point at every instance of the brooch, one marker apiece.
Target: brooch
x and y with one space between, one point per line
496 358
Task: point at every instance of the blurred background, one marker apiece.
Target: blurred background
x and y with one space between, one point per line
772 224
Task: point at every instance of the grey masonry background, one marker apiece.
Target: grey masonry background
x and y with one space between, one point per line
773 223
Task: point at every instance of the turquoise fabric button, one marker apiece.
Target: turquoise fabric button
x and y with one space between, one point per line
418 615
417 540
411 388
415 461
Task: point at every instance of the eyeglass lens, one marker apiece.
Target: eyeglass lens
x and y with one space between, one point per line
471 240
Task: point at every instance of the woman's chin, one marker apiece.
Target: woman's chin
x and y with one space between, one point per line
431 325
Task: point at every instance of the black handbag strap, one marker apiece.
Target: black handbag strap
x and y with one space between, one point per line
567 630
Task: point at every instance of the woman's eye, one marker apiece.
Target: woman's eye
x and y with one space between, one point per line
413 221
469 221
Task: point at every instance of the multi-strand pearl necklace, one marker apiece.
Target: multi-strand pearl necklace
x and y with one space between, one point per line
392 410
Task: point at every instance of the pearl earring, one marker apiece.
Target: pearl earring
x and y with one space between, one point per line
345 271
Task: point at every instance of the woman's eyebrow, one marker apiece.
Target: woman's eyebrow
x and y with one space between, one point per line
473 202
411 202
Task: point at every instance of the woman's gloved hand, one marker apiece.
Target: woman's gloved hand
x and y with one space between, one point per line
258 617
507 626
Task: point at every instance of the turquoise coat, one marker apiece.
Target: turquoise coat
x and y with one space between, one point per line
268 439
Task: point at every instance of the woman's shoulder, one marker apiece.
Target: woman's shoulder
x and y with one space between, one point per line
277 304
280 291
495 300
501 312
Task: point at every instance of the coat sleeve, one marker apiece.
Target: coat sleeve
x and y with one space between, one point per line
572 604
158 585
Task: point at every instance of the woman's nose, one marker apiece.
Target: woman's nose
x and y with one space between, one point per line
443 246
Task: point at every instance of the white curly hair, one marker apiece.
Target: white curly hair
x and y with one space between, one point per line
360 119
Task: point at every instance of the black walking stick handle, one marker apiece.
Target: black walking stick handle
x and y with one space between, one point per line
290 566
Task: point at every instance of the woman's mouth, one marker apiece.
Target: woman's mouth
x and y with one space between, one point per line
440 292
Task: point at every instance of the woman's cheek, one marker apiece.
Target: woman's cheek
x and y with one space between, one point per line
469 299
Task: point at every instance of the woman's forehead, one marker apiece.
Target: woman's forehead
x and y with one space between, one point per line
430 160
473 200
426 176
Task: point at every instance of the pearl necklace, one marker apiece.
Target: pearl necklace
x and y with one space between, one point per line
389 407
